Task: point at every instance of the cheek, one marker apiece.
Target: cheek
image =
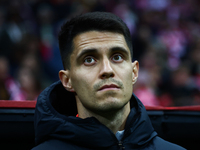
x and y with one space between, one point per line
81 82
127 77
129 82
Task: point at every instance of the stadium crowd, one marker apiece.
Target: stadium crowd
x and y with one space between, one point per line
166 42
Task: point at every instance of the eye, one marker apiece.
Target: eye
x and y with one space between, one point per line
117 58
89 61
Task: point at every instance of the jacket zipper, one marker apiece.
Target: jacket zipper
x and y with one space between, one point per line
121 147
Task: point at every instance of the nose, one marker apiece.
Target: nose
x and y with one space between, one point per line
106 69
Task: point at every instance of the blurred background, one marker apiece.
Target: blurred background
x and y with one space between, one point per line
165 36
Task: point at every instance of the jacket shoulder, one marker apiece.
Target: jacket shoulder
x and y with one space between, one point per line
160 143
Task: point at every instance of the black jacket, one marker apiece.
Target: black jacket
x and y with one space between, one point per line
57 127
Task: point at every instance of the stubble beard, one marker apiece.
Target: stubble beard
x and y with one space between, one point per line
109 102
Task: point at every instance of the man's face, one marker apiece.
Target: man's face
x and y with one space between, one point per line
102 73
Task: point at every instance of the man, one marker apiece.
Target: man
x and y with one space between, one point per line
93 107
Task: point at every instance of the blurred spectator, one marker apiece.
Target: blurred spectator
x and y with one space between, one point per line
123 11
175 42
4 90
29 45
182 86
144 91
149 77
48 41
9 90
29 83
195 63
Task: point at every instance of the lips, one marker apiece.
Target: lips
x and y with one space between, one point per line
109 87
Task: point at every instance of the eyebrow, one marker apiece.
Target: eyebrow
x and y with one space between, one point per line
87 51
120 49
95 51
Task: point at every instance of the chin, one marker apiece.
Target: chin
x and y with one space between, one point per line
111 104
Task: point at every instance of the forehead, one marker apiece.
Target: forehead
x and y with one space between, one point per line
98 40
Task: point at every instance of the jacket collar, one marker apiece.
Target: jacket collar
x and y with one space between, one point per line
55 118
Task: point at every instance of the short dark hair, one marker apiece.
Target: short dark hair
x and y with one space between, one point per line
93 21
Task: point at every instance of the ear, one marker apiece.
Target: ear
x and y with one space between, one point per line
135 67
66 80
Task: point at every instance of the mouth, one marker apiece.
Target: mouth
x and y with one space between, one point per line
109 87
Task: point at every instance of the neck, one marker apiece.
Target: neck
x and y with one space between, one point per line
114 120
